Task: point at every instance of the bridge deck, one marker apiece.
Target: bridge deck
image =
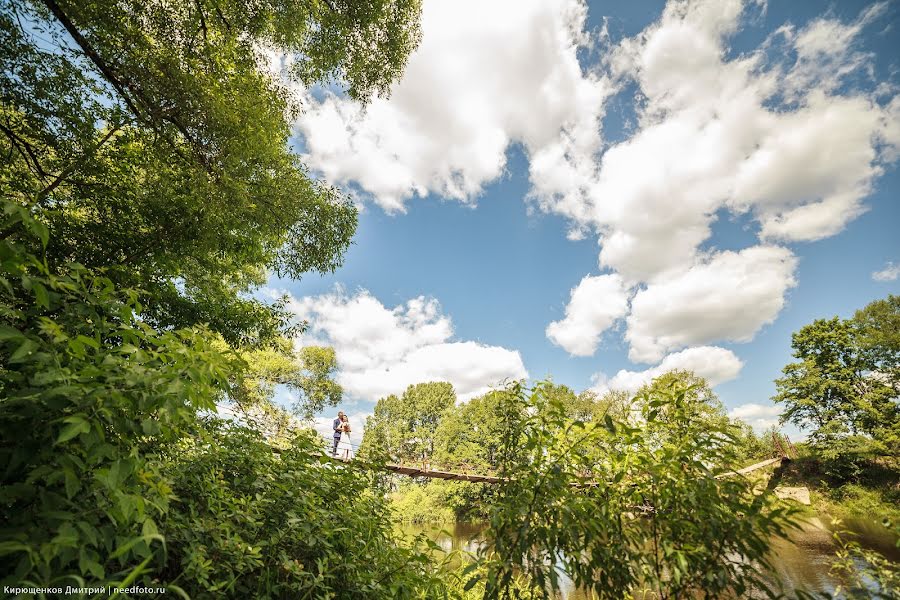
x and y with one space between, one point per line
478 478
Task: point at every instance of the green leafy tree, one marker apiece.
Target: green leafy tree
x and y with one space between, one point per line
615 403
469 434
844 384
89 394
469 438
111 479
700 399
249 523
403 428
878 326
152 140
626 511
308 372
147 186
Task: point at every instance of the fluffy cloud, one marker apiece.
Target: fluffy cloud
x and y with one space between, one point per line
486 75
716 365
595 304
382 350
757 415
717 132
730 296
773 133
792 134
890 272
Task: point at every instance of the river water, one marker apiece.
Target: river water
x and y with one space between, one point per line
801 563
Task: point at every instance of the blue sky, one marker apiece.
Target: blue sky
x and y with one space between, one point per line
749 148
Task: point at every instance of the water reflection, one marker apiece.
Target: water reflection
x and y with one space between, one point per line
801 563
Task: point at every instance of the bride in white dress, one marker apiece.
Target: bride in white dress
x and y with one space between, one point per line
344 447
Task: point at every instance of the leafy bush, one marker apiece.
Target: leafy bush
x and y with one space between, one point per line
111 479
421 503
88 392
866 574
624 509
249 523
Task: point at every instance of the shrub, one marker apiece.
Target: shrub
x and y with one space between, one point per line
250 523
88 392
626 509
420 503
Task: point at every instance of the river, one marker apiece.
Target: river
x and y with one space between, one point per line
802 563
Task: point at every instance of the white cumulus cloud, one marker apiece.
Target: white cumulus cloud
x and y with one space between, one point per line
716 365
383 350
714 135
759 416
771 133
791 135
595 304
890 272
486 75
730 296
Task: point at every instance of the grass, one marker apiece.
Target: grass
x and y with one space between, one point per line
873 492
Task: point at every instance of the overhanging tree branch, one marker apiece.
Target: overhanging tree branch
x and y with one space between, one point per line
125 90
75 164
108 73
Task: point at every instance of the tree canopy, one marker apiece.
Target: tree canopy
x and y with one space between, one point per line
845 384
147 188
403 427
152 138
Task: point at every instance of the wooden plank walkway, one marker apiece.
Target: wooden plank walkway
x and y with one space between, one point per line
477 478
751 468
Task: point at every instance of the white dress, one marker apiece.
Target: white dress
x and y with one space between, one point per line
344 447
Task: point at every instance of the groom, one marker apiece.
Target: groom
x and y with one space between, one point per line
337 426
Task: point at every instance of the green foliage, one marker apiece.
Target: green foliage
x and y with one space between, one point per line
700 401
308 372
315 380
874 496
415 502
846 384
110 477
469 434
403 428
866 573
655 519
152 140
753 448
147 185
250 523
89 392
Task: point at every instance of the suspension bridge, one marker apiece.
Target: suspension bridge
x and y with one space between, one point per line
784 449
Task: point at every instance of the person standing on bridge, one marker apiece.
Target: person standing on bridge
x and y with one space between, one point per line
345 447
338 427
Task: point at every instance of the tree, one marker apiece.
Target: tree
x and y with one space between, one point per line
654 521
89 395
700 399
152 141
577 406
403 428
469 434
308 373
878 336
844 383
616 403
280 546
146 187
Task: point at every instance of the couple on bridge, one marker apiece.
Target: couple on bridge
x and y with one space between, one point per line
342 447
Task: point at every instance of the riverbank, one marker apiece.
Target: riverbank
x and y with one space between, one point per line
873 494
